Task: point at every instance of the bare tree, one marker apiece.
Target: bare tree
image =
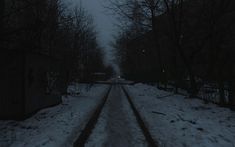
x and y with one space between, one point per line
143 13
175 13
220 34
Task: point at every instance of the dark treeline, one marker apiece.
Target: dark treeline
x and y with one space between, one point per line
47 27
185 43
44 46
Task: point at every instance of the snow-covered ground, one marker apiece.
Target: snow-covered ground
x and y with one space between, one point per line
57 126
117 126
174 120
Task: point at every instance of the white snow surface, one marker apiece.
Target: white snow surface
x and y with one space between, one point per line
174 120
57 126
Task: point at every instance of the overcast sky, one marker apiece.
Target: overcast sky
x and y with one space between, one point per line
104 23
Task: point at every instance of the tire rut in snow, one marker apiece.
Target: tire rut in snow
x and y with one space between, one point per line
117 124
147 134
80 142
120 128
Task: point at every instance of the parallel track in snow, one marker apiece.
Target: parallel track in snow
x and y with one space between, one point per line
147 134
87 131
80 142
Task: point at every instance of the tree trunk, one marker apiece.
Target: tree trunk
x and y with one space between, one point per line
159 56
176 89
221 92
176 72
232 91
193 87
177 30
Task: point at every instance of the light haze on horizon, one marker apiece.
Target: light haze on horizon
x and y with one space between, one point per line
104 24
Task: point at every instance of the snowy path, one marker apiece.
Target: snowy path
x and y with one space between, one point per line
117 126
172 120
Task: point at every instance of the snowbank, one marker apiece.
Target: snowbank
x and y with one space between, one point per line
57 126
174 120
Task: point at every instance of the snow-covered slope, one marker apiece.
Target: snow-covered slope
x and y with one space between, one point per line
174 120
57 126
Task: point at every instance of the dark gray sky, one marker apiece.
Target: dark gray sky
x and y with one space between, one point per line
104 23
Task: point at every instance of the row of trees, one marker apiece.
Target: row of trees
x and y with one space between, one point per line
175 41
48 27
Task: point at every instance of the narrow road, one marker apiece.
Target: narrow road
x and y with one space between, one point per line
117 125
